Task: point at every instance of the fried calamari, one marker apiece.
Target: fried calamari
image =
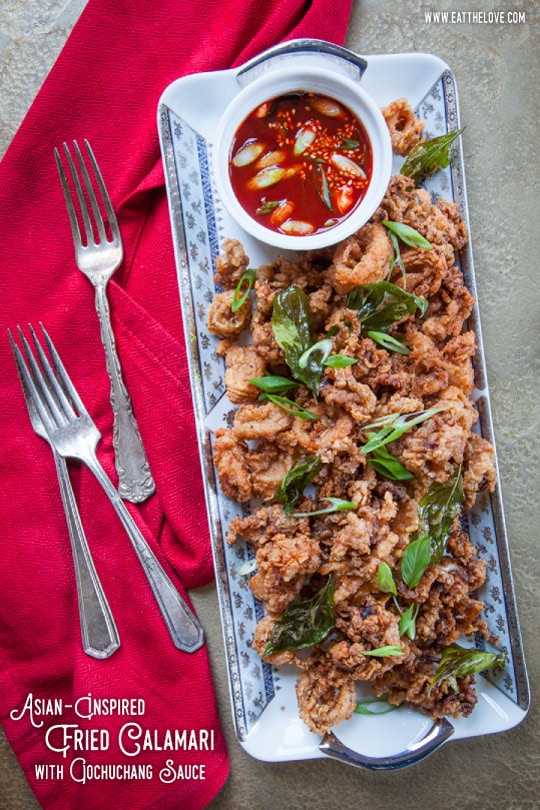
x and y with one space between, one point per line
302 545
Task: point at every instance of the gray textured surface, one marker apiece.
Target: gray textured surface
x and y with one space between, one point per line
497 73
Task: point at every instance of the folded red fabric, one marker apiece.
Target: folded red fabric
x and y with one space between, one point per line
105 86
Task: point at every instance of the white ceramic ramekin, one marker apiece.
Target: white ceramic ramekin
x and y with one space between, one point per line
326 82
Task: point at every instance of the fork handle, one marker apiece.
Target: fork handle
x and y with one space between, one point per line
185 629
135 482
99 634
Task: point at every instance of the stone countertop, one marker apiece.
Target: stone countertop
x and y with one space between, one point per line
497 74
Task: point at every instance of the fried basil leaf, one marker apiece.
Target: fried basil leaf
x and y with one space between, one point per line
407 623
415 560
291 324
381 304
456 662
299 476
305 622
437 509
429 156
385 579
313 360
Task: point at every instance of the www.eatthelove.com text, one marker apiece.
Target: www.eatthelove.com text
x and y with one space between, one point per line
493 17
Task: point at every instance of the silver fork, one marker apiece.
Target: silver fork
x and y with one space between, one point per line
98 629
73 434
98 256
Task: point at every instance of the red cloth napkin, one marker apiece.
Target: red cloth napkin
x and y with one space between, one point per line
105 86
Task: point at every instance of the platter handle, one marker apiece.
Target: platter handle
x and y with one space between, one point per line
347 61
438 734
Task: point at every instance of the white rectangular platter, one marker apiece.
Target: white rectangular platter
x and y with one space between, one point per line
263 697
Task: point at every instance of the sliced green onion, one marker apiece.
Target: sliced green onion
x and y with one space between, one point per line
388 342
247 567
249 278
375 706
337 505
290 406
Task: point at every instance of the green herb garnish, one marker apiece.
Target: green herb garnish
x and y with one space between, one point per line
273 384
314 358
407 623
243 288
388 342
415 560
304 622
321 185
387 584
339 361
291 324
297 479
247 567
337 505
268 206
274 387
437 509
384 652
457 662
407 234
396 259
381 304
393 426
388 465
375 706
429 156
290 406
348 143
385 579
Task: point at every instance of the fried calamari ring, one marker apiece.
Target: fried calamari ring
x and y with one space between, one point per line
362 258
405 128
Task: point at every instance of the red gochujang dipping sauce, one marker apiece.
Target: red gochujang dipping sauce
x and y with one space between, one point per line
300 163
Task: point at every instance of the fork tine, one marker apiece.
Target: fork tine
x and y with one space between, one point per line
91 193
32 411
69 388
49 394
29 387
113 222
57 392
80 197
75 230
